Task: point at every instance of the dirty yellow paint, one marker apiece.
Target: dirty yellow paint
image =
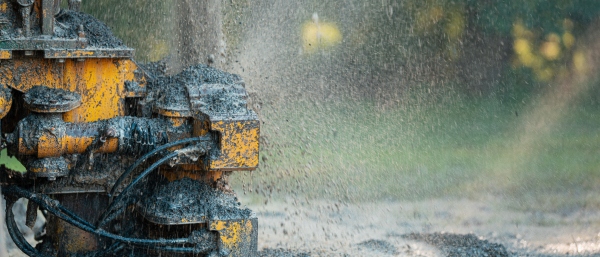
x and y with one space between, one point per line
73 54
232 233
193 172
5 54
52 146
100 82
171 113
200 128
49 146
5 101
3 7
238 144
178 122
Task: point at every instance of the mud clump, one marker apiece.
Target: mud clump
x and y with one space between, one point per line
193 201
41 95
196 75
461 245
379 245
97 33
268 252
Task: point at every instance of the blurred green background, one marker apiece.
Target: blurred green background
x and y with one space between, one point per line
380 99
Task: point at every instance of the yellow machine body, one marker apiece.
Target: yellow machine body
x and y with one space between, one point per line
78 111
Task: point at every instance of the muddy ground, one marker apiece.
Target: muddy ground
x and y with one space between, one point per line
425 228
430 228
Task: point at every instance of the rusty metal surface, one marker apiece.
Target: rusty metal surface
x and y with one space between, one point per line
67 239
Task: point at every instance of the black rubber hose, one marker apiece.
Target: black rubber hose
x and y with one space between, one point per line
16 235
102 221
148 155
75 217
144 242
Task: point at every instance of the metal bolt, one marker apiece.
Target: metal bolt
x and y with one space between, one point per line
80 59
111 132
80 31
28 53
61 60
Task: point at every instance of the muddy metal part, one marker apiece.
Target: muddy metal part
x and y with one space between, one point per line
81 115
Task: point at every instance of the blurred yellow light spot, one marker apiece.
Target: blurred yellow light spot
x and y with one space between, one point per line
455 25
579 62
568 40
426 19
436 13
553 37
318 34
521 46
527 59
550 50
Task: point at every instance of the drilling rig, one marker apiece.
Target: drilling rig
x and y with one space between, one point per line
122 159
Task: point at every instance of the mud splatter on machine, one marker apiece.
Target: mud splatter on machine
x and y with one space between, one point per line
121 158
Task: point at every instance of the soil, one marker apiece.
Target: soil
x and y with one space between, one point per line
176 201
440 227
432 228
98 34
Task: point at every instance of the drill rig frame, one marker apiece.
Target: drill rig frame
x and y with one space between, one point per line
121 158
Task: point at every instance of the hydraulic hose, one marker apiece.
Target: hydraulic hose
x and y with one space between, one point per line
14 190
150 154
16 235
103 219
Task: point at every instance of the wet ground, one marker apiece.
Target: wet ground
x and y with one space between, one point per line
432 228
440 227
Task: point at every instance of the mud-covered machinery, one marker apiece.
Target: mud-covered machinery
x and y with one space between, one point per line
121 158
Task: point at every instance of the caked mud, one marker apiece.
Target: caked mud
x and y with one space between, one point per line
98 34
460 245
191 201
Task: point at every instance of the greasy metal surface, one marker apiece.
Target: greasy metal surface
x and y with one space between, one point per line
50 168
218 102
49 100
5 100
189 201
42 25
67 239
47 135
236 237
